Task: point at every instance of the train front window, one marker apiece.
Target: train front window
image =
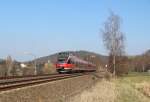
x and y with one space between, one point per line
69 61
61 61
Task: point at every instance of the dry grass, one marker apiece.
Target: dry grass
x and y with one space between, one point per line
126 93
130 88
144 87
103 91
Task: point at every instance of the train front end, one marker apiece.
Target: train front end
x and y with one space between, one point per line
63 64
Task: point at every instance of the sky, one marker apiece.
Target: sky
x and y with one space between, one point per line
44 27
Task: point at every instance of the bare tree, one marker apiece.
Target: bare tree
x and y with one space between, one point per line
113 38
3 69
9 65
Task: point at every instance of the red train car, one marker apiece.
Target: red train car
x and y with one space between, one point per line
67 62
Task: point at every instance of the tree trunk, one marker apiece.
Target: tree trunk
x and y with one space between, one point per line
114 63
143 67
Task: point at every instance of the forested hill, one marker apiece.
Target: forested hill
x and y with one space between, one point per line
81 54
148 52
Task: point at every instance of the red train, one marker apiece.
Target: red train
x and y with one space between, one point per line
67 62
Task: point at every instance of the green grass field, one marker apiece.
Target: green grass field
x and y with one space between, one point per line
134 87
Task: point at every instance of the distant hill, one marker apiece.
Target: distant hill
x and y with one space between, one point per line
148 52
80 54
1 60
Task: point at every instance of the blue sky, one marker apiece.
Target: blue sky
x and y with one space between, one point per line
44 27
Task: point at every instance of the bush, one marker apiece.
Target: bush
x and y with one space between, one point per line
108 75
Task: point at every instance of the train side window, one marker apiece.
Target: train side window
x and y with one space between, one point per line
72 62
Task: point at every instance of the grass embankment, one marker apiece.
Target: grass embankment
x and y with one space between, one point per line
102 92
134 87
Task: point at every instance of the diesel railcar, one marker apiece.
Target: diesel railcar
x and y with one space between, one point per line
67 62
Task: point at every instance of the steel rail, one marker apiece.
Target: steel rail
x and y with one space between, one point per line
22 83
26 76
15 80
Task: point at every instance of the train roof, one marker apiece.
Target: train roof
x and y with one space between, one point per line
76 59
68 55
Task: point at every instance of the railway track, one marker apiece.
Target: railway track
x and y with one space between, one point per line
18 82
